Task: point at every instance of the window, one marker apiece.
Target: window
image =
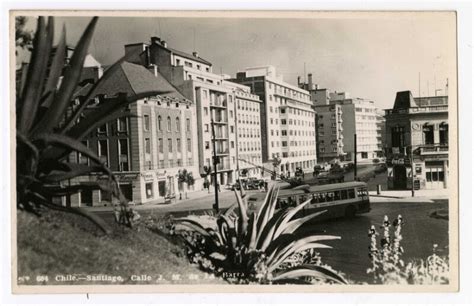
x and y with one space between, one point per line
207 145
103 150
206 127
178 145
169 124
443 133
178 126
189 144
343 194
102 129
231 129
398 137
122 124
232 144
206 111
147 146
160 145
159 123
82 159
428 134
123 154
188 125
351 193
149 190
146 122
170 145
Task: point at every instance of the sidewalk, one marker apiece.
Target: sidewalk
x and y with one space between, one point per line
434 194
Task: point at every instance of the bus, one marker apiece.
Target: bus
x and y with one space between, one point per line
339 200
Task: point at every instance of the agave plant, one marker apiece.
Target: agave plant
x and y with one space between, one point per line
47 132
257 244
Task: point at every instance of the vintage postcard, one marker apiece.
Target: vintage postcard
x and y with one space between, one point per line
234 151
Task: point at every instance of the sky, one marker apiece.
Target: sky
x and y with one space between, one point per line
370 56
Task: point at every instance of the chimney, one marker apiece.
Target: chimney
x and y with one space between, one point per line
147 56
195 54
164 43
310 80
299 80
155 39
153 69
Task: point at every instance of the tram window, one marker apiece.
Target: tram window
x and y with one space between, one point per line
337 195
322 197
351 193
361 192
343 194
303 199
314 199
330 196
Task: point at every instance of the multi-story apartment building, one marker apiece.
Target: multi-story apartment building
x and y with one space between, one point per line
338 118
287 119
193 77
381 139
417 133
147 147
249 144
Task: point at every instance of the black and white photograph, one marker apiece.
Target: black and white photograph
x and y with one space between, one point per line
234 151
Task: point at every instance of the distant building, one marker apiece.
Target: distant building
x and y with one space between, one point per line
287 121
192 76
417 131
338 118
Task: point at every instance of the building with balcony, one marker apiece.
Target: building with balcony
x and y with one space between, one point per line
149 145
247 126
417 135
338 118
192 76
287 122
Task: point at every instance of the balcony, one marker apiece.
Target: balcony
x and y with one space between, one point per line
434 149
418 110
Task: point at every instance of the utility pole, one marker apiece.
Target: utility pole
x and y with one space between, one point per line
215 161
412 172
355 157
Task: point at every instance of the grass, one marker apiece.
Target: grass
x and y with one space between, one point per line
62 244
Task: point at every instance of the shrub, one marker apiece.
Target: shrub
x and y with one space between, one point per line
260 247
389 268
47 132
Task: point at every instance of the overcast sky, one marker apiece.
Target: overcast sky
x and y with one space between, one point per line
369 57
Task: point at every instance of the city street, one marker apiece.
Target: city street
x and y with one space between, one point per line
350 254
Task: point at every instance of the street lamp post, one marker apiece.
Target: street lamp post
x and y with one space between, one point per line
412 172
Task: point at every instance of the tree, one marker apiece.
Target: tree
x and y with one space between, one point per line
276 162
23 38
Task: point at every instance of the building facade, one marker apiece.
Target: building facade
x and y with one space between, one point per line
417 135
192 76
149 146
247 125
287 120
338 118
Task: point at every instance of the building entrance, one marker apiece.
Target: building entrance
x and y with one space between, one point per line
399 177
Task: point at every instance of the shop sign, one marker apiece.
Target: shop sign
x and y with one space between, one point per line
126 177
148 177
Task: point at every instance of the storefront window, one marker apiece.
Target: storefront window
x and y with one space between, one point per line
149 190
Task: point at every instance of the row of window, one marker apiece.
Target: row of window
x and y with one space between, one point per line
177 124
287 91
249 146
170 145
248 119
248 132
247 105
